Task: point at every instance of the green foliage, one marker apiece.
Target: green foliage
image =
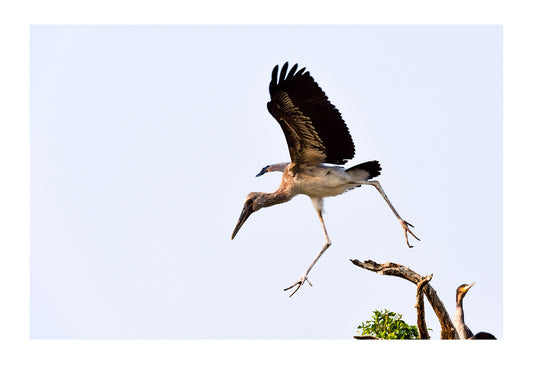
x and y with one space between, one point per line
388 325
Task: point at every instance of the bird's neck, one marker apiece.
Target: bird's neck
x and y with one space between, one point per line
276 197
459 313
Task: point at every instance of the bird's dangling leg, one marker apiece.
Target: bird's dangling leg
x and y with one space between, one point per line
303 278
405 224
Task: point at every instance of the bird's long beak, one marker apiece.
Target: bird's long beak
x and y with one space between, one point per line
468 287
246 212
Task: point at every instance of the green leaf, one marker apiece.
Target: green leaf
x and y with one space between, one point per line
388 325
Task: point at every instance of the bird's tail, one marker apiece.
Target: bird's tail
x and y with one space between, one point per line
365 171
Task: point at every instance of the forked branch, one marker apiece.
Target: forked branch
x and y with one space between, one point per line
393 269
420 313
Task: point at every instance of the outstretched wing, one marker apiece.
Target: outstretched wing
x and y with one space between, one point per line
313 127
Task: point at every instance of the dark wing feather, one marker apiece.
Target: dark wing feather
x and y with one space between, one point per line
313 127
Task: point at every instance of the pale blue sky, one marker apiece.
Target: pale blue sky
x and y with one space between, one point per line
146 140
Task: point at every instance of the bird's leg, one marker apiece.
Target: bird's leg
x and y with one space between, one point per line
303 278
405 224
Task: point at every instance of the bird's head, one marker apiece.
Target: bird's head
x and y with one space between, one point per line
254 202
462 289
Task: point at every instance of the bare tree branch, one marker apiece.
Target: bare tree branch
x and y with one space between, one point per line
420 317
366 337
393 269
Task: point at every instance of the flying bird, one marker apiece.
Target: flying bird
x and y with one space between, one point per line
319 144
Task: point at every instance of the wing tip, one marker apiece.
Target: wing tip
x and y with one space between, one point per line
277 81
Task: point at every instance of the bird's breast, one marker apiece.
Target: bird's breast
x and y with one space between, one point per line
322 181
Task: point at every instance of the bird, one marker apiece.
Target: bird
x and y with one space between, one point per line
482 335
463 332
319 144
459 319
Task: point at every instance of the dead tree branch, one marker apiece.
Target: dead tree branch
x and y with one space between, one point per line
393 269
366 337
420 313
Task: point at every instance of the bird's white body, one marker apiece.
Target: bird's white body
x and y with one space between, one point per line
318 181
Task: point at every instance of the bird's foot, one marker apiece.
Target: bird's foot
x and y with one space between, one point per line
298 284
405 226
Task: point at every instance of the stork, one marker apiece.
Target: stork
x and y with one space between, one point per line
319 144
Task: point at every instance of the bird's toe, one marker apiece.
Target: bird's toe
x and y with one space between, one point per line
406 229
298 284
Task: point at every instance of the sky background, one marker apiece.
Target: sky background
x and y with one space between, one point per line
145 141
